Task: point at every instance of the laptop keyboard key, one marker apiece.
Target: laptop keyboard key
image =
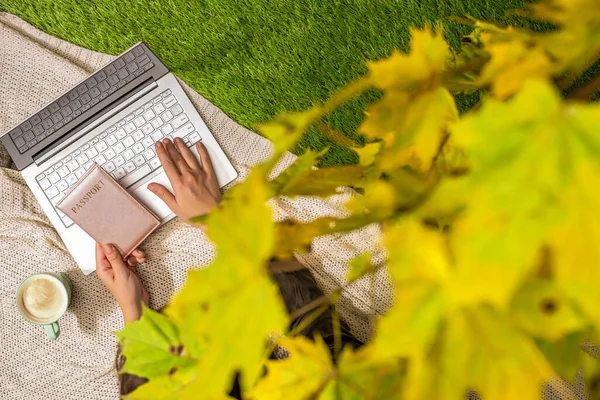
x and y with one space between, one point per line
109 167
138 50
54 177
71 179
129 167
119 173
120 134
52 192
180 120
170 101
154 163
139 160
135 176
119 148
119 160
63 171
62 185
100 160
128 154
45 184
149 154
19 142
111 140
129 141
176 110
80 172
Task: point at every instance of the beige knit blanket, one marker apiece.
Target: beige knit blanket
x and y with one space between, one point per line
34 68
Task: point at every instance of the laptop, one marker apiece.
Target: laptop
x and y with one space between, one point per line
113 118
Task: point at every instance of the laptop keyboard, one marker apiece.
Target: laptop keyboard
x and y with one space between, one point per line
125 150
96 88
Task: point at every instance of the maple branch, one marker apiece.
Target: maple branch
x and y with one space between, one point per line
311 306
334 135
586 91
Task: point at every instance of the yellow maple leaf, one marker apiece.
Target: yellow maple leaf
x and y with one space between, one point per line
234 286
517 152
304 374
309 373
480 351
543 310
412 126
576 42
286 129
422 67
574 242
512 62
367 155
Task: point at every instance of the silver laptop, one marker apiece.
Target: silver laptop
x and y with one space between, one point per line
113 118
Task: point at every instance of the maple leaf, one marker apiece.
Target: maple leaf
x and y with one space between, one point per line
153 346
574 241
286 129
576 44
411 126
309 373
368 154
303 164
541 309
320 182
512 63
236 286
479 350
519 167
422 67
419 267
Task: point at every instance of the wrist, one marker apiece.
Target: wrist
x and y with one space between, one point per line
131 312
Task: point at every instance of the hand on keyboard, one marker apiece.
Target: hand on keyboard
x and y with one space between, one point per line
195 186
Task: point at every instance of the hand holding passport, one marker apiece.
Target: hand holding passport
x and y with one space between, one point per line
107 212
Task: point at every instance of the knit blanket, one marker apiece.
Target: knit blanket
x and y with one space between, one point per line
34 69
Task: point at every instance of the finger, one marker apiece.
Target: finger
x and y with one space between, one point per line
187 155
182 166
213 183
167 163
139 255
133 260
164 194
114 258
103 267
132 268
206 162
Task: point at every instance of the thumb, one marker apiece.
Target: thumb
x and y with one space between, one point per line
164 194
114 258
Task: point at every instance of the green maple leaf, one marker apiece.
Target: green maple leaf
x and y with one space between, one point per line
153 347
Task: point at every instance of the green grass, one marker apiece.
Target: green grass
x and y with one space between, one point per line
256 58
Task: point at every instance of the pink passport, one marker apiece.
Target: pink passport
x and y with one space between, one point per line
107 212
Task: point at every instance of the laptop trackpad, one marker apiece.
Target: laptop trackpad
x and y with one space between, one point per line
152 201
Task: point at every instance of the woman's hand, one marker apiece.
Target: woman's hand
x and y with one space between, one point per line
195 186
121 279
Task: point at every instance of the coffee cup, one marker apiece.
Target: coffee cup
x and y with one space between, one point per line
43 298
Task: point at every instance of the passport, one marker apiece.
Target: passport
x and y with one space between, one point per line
107 212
